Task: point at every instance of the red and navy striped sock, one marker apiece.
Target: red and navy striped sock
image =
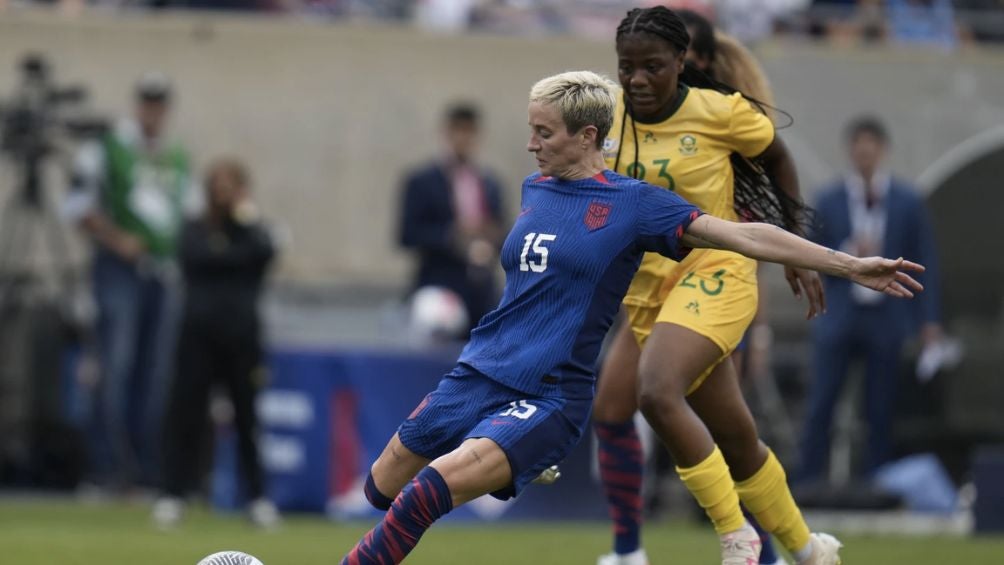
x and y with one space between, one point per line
376 498
767 553
621 474
420 504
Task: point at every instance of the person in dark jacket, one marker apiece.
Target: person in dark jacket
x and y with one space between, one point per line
451 217
224 256
868 211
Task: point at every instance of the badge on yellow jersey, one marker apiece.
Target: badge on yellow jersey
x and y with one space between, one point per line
688 145
610 147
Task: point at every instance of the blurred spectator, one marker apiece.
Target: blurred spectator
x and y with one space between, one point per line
909 22
224 256
128 195
444 15
982 19
869 20
868 212
930 22
451 216
751 21
520 17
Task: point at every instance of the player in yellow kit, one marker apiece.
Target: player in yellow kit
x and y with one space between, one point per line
686 318
689 153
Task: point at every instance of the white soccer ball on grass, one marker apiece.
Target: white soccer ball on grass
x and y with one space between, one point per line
230 558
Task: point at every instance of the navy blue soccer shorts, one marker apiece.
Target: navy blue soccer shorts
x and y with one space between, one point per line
535 432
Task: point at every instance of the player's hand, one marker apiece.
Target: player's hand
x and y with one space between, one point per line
887 275
245 212
807 282
129 247
931 333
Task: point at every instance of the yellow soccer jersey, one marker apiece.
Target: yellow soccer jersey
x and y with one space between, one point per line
687 153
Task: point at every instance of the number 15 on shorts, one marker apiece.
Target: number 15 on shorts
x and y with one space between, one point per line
519 409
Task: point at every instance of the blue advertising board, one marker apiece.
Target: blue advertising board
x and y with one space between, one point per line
326 415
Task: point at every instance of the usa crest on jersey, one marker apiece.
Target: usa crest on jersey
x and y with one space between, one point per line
596 215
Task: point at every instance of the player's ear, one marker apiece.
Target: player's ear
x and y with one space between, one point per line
588 135
680 61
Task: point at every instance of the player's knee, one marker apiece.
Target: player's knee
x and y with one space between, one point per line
656 401
614 410
649 402
658 393
376 498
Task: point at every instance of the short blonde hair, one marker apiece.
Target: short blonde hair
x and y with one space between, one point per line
584 98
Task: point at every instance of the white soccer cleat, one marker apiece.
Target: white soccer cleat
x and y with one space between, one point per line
548 476
636 557
741 547
264 514
167 512
825 550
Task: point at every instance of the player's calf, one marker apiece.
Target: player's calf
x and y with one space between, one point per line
477 467
376 498
423 502
393 469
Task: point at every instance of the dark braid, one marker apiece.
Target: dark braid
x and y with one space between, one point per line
703 43
702 40
658 21
756 198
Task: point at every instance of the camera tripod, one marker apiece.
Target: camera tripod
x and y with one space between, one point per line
27 217
37 284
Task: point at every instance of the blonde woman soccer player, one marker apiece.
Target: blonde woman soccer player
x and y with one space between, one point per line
520 395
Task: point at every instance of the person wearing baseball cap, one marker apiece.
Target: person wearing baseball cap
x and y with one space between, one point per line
128 193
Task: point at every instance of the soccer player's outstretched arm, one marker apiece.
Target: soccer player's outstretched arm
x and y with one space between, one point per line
765 242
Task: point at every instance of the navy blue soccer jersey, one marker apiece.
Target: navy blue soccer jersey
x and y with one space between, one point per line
568 260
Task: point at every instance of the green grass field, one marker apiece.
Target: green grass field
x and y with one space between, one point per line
65 533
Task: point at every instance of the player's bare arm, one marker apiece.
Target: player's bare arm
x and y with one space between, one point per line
770 243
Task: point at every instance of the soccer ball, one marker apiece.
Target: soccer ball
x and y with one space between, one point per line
230 558
437 313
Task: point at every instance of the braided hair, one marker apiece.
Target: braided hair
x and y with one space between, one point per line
702 38
755 197
731 65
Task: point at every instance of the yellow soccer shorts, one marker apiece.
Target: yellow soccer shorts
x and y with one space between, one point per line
715 296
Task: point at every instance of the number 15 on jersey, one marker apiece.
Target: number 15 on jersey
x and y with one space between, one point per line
537 241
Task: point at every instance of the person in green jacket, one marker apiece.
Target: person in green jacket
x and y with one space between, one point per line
128 193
